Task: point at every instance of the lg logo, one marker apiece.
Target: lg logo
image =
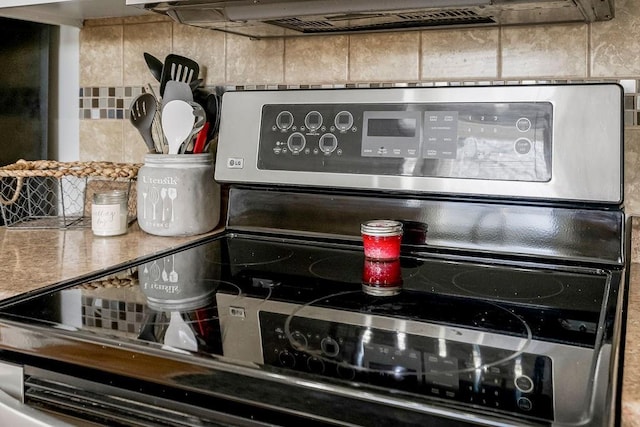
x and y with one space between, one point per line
235 163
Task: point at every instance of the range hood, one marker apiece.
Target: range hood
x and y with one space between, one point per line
287 18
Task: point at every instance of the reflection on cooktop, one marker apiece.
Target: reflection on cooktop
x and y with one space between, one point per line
298 324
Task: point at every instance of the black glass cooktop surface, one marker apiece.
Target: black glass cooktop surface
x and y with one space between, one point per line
562 305
450 328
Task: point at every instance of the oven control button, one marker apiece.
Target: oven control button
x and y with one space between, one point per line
287 359
525 404
284 120
522 146
343 121
296 142
523 124
328 143
313 121
524 384
330 347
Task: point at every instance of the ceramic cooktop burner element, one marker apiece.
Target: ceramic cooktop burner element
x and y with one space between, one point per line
257 254
491 283
352 268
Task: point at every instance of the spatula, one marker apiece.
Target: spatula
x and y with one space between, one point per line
177 123
154 64
178 68
141 113
176 90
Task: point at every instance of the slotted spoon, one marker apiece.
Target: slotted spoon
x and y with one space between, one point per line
141 113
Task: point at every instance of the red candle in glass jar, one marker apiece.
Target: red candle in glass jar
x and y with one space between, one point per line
381 277
381 239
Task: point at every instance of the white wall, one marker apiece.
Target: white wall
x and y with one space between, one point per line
64 133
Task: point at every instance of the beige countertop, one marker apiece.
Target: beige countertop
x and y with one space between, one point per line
33 259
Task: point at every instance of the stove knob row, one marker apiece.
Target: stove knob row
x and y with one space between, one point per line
313 121
297 142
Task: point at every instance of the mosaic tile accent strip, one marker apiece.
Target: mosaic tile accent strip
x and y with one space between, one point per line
97 103
100 103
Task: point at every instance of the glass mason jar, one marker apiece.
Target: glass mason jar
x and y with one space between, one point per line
381 239
109 213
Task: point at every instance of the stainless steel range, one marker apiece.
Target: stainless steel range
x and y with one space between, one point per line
506 302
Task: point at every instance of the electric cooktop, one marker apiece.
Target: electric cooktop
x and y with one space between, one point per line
461 329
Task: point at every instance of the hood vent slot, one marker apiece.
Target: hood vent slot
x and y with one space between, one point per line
379 22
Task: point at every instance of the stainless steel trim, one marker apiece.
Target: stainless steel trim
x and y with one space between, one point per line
586 152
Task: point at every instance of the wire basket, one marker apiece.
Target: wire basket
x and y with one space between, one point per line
51 194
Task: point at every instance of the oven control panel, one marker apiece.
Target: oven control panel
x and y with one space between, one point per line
479 140
532 142
464 373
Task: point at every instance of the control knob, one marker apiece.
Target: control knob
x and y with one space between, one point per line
313 121
284 120
343 121
296 142
328 143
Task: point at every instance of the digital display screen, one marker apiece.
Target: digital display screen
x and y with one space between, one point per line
405 127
